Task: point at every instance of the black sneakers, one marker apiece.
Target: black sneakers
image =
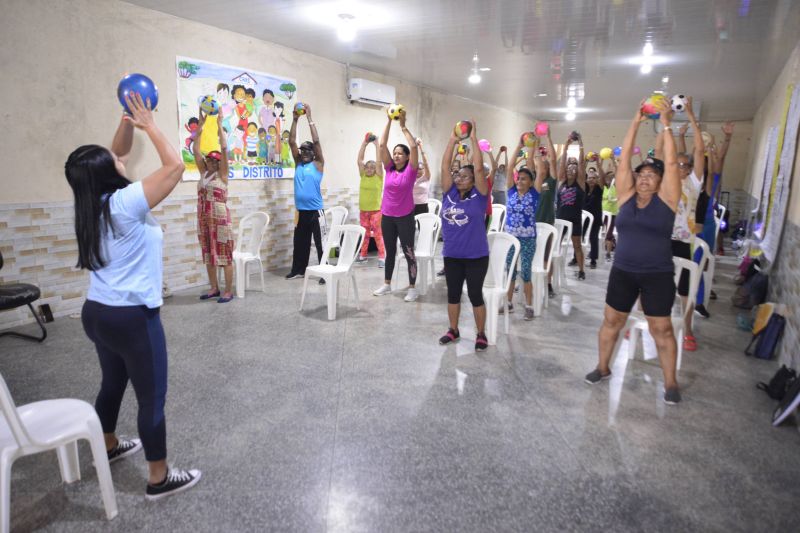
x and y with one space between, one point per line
701 310
481 343
451 336
175 482
550 292
581 275
294 275
123 449
672 396
595 376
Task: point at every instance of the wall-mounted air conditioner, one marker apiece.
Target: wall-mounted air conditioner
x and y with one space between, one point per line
370 92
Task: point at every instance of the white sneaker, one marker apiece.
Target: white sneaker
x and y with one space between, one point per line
381 263
385 289
411 295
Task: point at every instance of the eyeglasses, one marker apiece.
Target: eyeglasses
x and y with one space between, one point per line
461 177
683 165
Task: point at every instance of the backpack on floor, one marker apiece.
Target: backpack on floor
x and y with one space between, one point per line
790 402
752 293
768 338
779 384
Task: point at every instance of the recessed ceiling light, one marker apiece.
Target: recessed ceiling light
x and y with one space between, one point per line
571 102
346 30
474 78
665 79
646 69
647 49
569 116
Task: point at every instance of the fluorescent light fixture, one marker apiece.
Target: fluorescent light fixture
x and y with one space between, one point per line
571 102
474 78
570 116
485 69
542 94
346 31
647 49
646 68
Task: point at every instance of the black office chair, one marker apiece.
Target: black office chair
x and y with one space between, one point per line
13 295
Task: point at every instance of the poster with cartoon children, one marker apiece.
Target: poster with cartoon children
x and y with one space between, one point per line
254 106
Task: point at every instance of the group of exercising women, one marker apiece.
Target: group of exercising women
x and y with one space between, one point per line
120 243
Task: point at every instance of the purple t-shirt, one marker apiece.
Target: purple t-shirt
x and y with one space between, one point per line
398 191
464 224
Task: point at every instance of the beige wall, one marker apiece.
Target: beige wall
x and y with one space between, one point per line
65 75
770 113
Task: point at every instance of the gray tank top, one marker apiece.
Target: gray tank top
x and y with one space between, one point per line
645 237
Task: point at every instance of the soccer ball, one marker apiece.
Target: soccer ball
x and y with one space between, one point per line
463 129
209 105
679 103
394 111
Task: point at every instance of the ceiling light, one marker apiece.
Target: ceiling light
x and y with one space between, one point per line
569 116
485 69
647 50
346 30
474 78
542 94
665 79
571 102
646 69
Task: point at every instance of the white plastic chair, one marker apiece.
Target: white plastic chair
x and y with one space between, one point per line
604 227
498 222
350 236
51 425
425 239
678 322
434 206
540 266
249 251
587 221
563 238
498 280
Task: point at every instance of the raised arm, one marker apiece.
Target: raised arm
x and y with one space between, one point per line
379 167
293 137
670 190
198 156
625 182
712 164
383 149
426 171
539 164
699 149
727 129
319 159
481 183
361 152
123 140
562 164
551 154
659 147
493 164
581 164
510 170
447 161
682 137
161 182
223 148
413 157
601 172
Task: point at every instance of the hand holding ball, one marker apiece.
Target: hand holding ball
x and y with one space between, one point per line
529 139
209 105
299 109
541 129
394 111
679 103
606 153
463 129
591 156
617 151
137 83
650 106
484 145
370 137
462 149
637 150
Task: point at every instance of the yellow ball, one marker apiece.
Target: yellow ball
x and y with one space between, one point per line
529 139
394 111
606 153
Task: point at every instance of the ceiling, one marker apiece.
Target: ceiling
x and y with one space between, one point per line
727 53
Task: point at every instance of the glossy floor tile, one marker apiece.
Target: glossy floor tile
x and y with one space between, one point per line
367 424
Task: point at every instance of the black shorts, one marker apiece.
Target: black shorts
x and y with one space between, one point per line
684 250
656 290
577 226
420 208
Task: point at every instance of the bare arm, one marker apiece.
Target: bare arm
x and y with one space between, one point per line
160 183
712 160
510 170
198 156
682 137
223 148
379 170
625 183
447 161
481 183
539 163
319 159
562 165
293 137
581 165
659 147
426 171
699 149
383 150
413 158
360 159
551 154
670 190
727 129
123 140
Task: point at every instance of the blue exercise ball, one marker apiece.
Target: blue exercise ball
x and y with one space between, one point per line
137 83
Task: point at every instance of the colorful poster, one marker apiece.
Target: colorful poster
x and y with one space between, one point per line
256 110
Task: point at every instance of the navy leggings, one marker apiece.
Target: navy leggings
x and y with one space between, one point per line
131 345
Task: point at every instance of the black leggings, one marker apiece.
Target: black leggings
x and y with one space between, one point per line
457 270
131 345
307 226
402 227
594 245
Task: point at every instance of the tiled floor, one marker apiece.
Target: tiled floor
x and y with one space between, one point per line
367 424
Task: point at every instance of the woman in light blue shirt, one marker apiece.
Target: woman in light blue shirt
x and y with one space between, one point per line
119 242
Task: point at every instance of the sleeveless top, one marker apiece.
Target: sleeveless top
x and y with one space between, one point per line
570 201
644 243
